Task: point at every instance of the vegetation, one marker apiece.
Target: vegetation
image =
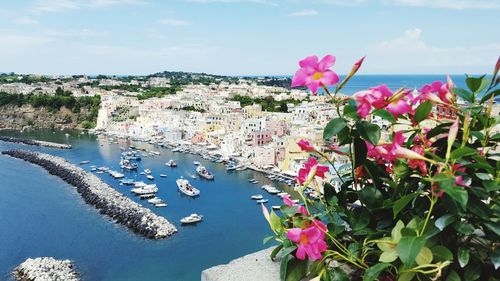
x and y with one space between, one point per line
157 92
268 103
192 108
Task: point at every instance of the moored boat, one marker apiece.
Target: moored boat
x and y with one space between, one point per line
193 218
186 188
256 197
203 172
171 163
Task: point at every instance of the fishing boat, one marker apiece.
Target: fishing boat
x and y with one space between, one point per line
147 171
186 188
147 196
84 162
163 175
150 177
196 163
127 181
256 197
193 218
203 172
150 188
171 163
262 201
276 207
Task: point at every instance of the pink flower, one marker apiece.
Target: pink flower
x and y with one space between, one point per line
305 145
418 164
437 92
459 181
310 170
301 209
314 74
310 241
381 97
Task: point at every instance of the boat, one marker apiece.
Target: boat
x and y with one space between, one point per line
256 197
155 200
186 188
142 173
139 184
127 181
254 181
203 172
147 189
276 207
160 205
93 169
231 167
100 172
196 163
150 177
262 201
147 196
171 163
147 171
84 162
241 168
283 194
193 218
116 175
271 189
163 175
128 164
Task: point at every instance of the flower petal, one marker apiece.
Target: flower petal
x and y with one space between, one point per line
311 61
299 79
294 234
326 62
329 78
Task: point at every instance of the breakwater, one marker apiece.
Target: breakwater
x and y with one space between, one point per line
100 195
46 268
35 142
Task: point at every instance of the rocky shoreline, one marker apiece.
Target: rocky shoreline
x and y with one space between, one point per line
35 142
103 197
45 269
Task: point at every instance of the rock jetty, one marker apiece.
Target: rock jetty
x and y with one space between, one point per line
35 142
46 269
100 195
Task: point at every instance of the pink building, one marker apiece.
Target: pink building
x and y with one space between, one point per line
259 138
277 128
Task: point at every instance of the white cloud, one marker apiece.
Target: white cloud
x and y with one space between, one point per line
25 20
66 5
304 13
409 53
448 4
174 22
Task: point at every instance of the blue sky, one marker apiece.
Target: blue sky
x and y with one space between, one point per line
247 37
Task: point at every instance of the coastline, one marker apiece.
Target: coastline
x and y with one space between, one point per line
100 195
35 142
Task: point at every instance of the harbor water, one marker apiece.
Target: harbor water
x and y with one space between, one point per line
44 216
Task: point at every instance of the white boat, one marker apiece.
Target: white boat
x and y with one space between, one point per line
150 188
155 200
163 175
203 172
193 218
147 171
194 176
150 177
139 184
256 197
171 163
147 196
160 205
93 169
262 201
84 162
196 163
276 207
283 194
271 189
186 188
241 168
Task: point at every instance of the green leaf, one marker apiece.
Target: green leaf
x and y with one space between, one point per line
338 274
275 252
406 276
359 218
275 221
444 221
373 272
462 152
369 132
464 228
334 127
360 152
408 249
384 114
350 111
329 192
490 94
296 270
463 256
472 272
457 193
396 231
402 202
441 253
464 94
424 257
476 85
423 111
493 227
388 256
371 197
453 276
267 239
495 258
491 185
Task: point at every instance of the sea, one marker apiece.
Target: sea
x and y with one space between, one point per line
43 216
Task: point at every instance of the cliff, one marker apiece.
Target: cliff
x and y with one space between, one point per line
14 117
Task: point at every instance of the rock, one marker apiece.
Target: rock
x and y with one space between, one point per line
256 266
35 142
103 197
46 269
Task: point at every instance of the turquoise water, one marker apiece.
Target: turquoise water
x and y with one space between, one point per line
43 216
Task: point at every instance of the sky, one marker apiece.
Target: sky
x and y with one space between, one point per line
247 37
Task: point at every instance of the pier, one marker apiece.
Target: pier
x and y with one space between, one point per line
45 268
35 142
103 197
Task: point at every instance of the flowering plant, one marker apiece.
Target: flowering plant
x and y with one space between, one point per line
418 199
